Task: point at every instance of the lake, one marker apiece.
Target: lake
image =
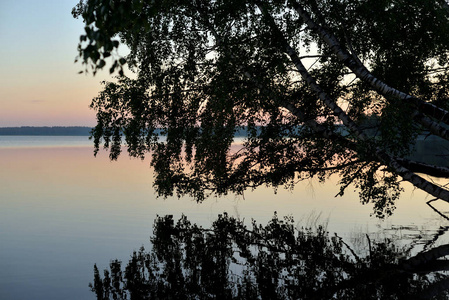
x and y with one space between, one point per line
62 210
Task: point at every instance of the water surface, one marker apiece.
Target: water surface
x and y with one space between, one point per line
62 210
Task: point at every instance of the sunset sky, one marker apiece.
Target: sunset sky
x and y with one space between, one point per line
39 81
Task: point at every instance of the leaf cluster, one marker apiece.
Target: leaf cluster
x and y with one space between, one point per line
205 72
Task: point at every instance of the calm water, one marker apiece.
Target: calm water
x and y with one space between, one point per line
62 210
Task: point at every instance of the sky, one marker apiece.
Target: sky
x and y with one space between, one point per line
39 81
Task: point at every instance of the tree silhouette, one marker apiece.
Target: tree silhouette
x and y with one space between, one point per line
317 88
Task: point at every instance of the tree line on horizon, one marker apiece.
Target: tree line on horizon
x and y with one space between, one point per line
47 130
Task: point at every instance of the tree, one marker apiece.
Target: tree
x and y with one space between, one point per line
276 261
317 88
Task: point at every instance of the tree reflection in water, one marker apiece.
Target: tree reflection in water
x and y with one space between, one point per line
276 261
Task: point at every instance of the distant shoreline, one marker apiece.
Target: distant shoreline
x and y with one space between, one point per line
47 130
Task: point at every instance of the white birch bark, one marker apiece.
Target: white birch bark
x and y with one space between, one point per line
381 87
432 170
388 160
311 123
383 157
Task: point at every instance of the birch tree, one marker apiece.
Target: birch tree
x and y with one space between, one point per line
315 87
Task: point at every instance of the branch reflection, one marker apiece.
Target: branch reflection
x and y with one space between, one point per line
277 261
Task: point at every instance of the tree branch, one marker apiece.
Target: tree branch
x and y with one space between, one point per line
423 259
362 72
420 167
382 156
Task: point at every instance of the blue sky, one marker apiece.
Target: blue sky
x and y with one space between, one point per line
39 81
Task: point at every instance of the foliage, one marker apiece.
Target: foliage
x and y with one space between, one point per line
276 261
302 78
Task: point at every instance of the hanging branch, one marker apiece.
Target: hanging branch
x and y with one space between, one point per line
381 155
381 87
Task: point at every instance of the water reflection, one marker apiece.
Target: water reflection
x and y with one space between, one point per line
277 261
431 150
62 209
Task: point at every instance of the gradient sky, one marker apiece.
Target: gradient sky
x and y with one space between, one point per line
39 81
